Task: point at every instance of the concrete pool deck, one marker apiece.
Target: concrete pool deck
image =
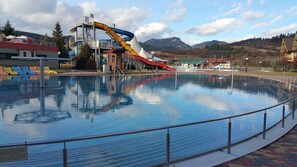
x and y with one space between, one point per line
279 148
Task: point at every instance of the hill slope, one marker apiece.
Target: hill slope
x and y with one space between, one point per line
209 43
173 43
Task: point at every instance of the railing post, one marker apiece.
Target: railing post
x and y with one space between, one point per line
293 112
65 155
229 136
168 148
264 124
283 116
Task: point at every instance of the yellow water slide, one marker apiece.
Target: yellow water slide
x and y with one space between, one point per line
116 37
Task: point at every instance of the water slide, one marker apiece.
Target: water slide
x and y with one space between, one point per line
132 46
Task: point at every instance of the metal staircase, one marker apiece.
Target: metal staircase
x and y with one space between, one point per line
137 64
119 70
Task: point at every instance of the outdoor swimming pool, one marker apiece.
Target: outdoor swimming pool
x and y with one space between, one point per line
75 106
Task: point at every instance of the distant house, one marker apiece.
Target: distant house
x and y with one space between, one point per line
289 50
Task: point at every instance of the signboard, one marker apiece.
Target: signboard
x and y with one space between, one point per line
10 154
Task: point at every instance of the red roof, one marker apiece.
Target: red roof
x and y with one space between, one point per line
33 47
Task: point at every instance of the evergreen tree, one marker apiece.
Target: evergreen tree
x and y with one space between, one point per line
8 29
59 39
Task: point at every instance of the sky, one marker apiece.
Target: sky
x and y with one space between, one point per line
194 21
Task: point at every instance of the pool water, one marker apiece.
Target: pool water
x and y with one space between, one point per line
74 106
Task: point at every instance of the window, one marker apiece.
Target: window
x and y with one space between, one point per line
32 53
25 54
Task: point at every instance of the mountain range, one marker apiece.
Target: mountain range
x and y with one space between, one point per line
175 43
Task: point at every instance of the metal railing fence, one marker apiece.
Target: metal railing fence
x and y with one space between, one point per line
155 148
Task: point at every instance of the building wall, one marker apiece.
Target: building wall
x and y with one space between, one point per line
291 57
11 49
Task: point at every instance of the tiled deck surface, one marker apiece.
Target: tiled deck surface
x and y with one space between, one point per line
282 152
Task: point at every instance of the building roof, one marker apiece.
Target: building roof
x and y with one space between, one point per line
294 47
22 46
193 61
289 43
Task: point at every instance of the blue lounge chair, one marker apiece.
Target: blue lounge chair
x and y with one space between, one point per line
27 70
18 70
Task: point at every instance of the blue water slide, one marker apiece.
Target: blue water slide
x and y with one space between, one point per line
129 35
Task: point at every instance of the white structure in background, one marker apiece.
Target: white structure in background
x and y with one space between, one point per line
141 52
223 66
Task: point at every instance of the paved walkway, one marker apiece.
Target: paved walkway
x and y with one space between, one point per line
282 152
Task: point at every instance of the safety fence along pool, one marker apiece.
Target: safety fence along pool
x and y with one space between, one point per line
149 147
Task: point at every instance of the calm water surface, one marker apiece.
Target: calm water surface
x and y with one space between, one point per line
82 106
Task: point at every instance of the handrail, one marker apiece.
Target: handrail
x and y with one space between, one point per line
141 130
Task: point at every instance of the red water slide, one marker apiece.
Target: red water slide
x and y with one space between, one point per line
153 63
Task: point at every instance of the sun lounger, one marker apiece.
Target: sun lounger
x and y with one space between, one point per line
9 71
27 70
2 72
48 70
34 69
18 70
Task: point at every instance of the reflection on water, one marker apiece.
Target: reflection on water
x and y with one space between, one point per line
79 106
42 115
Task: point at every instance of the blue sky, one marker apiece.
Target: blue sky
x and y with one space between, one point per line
194 21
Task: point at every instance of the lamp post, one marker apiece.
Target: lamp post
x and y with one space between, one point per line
59 53
153 55
246 62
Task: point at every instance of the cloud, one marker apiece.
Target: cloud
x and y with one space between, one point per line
175 11
20 7
151 30
213 28
175 15
175 4
236 39
129 17
192 41
262 2
235 8
292 11
249 3
251 15
41 16
126 18
281 30
263 24
259 25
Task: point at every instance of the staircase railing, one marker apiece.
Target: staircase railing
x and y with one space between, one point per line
137 64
